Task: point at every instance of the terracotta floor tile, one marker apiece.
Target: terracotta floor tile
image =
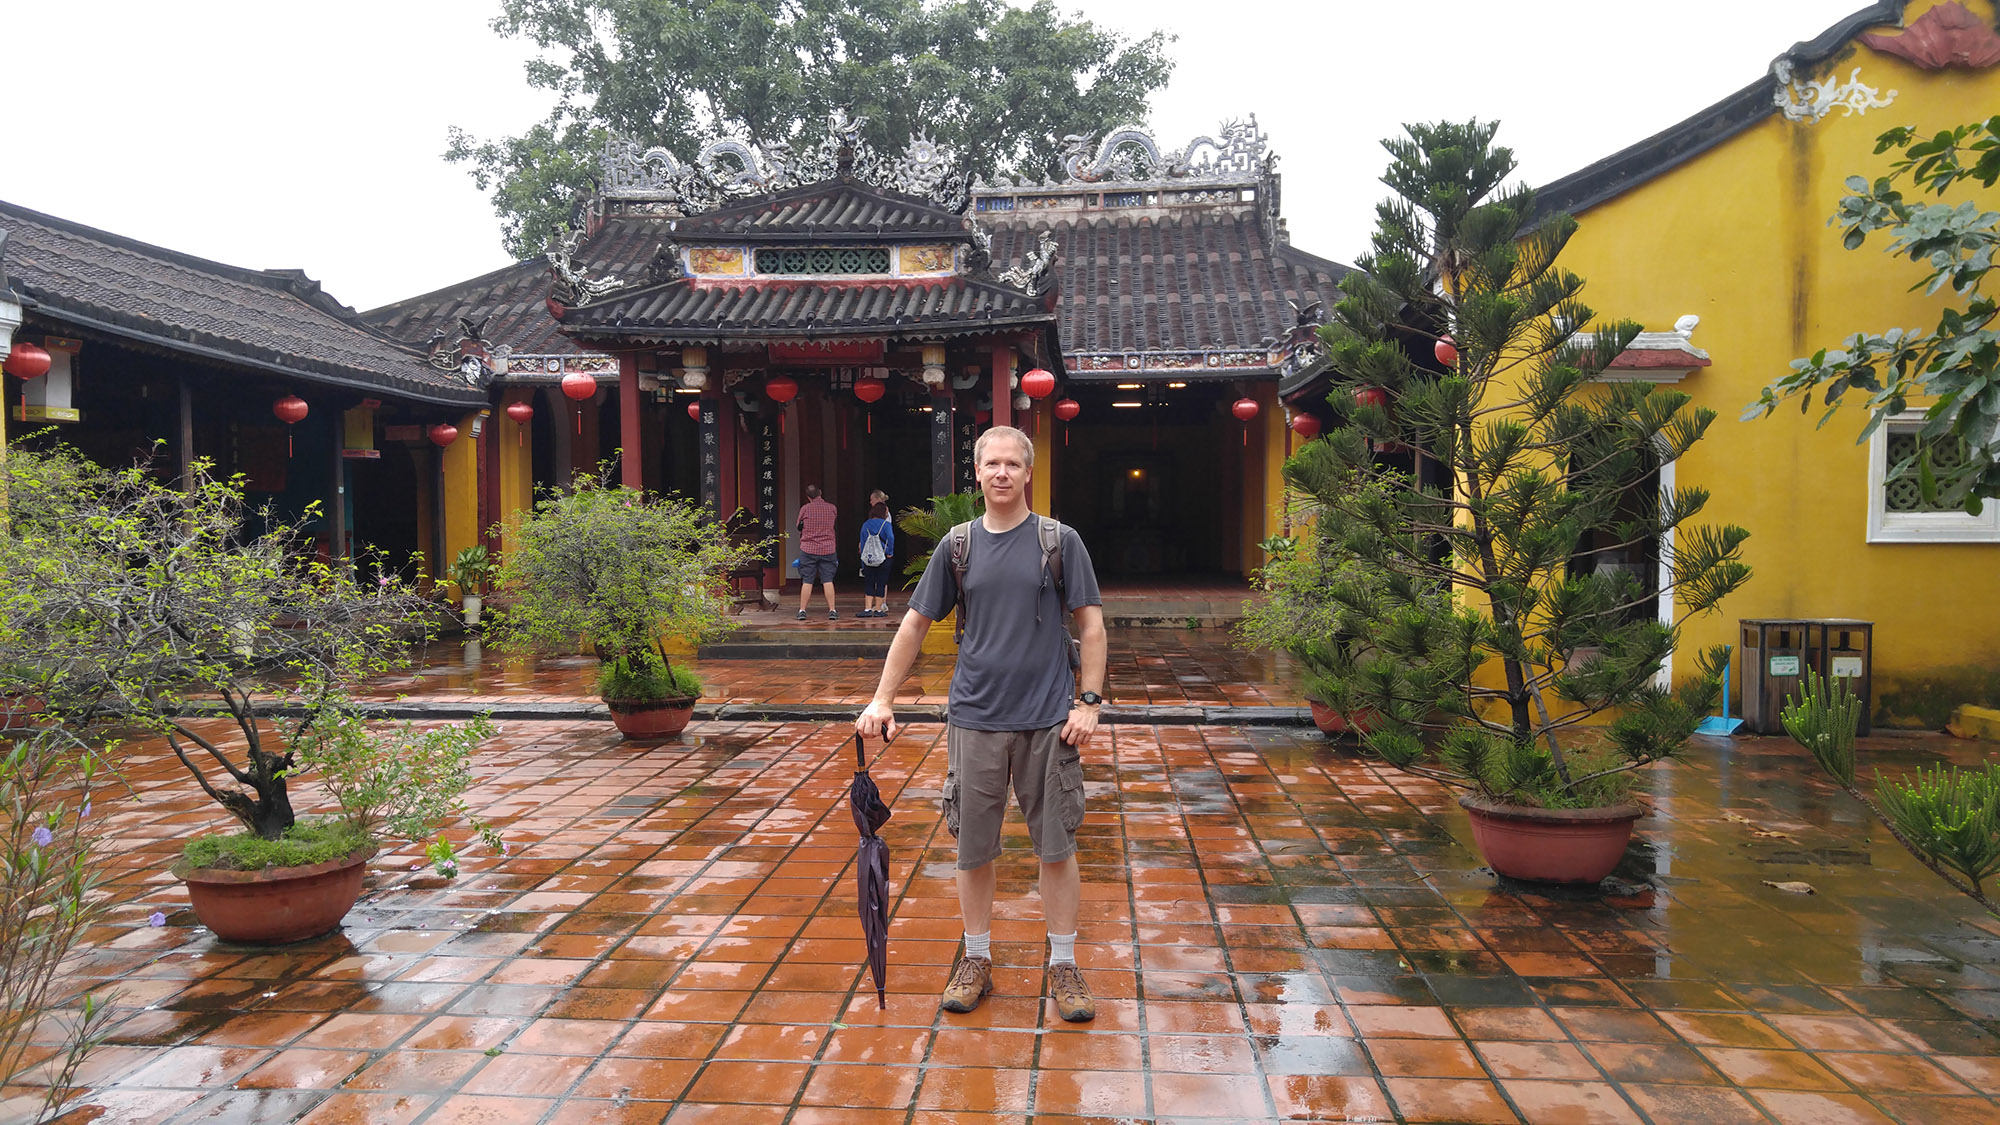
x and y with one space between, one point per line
1181 1017
1902 1074
188 1067
1780 1070
771 1041
698 1113
1819 1109
1530 1059
1617 1025
873 1086
1229 1097
589 1111
515 1073
975 1089
977 1047
1456 1100
646 1079
1200 1054
554 1036
374 1031
262 1029
1911 1109
1982 1074
759 1083
1507 1023
468 1109
1090 1094
303 1068
417 1071
1424 1058
1570 1103
1725 1029
1692 1103
1836 1033
691 1006
1653 1062
1375 1021
1321 1097
896 1046
249 1107
341 1108
461 1033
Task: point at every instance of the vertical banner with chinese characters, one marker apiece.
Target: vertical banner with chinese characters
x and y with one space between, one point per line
767 484
711 459
968 432
942 461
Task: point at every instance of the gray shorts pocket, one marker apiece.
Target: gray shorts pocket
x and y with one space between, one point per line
1069 791
951 804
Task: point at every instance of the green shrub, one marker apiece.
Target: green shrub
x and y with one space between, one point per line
643 676
310 840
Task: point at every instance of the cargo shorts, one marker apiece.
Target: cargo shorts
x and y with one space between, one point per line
1046 775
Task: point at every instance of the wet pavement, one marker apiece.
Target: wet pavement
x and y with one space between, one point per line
1275 929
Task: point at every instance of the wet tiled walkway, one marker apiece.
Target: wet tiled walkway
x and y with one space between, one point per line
1275 928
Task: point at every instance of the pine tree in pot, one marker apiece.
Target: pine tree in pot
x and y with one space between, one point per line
1488 480
627 575
166 612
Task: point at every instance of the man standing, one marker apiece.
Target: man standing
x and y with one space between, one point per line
1016 719
819 553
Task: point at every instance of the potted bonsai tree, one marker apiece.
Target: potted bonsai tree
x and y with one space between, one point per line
470 570
1482 477
164 611
628 575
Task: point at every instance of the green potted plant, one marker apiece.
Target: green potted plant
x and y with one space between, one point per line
1481 477
935 521
159 611
629 576
470 571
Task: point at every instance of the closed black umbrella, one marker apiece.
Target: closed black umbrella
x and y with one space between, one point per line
871 868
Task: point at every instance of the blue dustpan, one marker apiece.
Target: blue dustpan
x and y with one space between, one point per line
1720 724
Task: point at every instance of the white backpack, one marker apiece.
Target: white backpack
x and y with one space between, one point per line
872 552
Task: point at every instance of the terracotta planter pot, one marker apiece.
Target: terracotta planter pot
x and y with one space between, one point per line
278 904
651 718
18 712
1551 845
1331 722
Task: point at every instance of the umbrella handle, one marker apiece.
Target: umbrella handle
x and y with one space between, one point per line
860 755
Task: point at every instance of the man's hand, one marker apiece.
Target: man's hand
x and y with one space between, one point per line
878 721
1080 725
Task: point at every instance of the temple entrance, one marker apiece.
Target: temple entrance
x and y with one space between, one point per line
1150 474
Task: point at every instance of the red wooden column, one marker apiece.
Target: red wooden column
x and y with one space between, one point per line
632 452
1003 388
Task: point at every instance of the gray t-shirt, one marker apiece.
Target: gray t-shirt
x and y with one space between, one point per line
1013 670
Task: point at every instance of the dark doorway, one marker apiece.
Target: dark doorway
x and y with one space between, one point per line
1150 474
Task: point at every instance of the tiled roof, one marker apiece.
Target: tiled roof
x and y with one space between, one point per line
273 320
1199 280
832 210
688 310
1170 281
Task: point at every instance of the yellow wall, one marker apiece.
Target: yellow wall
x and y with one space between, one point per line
461 491
1040 424
1739 237
515 464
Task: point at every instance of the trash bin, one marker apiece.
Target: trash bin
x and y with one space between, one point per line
1840 648
1774 663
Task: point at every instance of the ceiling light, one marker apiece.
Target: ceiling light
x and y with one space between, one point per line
1128 404
1130 386
1176 386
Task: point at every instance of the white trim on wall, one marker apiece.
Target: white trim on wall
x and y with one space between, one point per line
1885 526
1665 678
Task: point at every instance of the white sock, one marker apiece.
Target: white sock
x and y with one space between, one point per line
1062 949
979 945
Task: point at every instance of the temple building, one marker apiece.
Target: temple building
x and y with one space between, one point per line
743 325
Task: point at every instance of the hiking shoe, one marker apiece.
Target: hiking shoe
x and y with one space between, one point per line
1072 996
830 615
802 615
971 980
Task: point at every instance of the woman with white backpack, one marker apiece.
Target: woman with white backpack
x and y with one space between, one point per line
878 548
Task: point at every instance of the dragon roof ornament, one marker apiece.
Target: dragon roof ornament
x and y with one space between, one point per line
568 285
729 170
1130 156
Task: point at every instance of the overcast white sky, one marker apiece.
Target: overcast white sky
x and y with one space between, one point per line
309 136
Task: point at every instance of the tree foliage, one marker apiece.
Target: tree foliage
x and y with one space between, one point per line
1001 84
1955 365
618 570
161 608
1482 499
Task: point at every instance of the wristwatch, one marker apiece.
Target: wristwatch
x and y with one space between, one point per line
1090 699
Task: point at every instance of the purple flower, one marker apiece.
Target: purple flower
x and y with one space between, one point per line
157 919
506 848
42 837
384 581
85 814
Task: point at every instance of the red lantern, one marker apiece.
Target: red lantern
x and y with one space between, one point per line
1305 425
781 389
31 361
578 387
290 410
1038 384
694 411
1068 408
1371 396
869 389
1446 350
1244 408
982 416
443 434
522 413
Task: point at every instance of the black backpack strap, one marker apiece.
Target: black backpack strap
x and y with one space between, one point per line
1052 562
959 543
